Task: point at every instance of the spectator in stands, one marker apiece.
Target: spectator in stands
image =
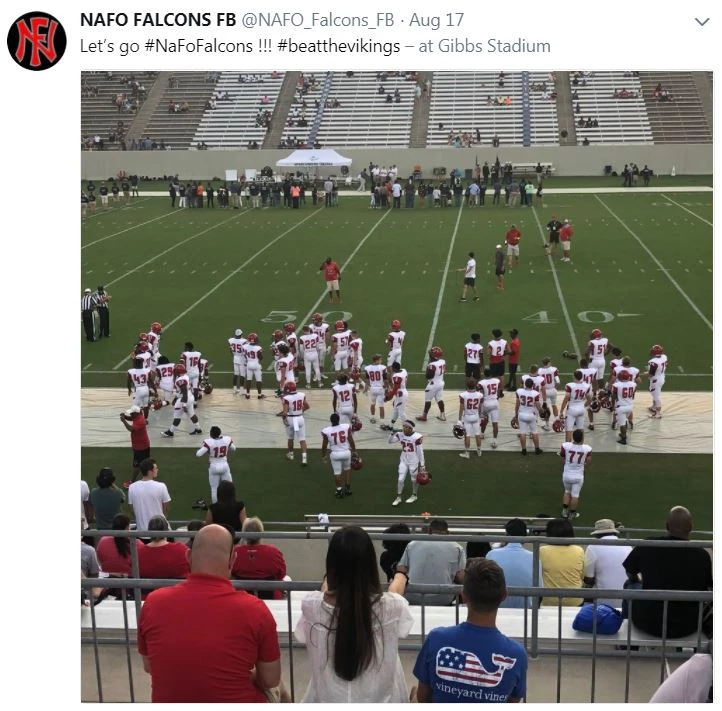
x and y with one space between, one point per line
258 561
194 525
603 565
435 562
393 550
88 560
106 499
161 558
351 629
562 563
203 641
517 564
475 646
495 141
147 496
227 511
690 683
651 568
114 551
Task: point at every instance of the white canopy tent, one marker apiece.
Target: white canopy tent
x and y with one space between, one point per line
310 158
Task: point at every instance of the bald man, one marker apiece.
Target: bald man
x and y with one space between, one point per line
203 641
652 568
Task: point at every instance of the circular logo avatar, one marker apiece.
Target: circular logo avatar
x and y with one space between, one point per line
36 41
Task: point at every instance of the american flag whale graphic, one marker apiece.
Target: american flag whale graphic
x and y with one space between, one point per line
457 665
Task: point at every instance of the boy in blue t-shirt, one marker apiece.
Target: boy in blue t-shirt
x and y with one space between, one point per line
473 662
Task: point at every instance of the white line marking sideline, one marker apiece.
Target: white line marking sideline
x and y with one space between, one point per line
127 229
658 263
699 217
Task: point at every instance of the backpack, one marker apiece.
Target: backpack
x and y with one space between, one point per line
609 620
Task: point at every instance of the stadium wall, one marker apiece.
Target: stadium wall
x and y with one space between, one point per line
687 159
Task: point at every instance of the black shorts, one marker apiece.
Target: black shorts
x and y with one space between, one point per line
500 272
469 281
513 367
497 369
473 370
139 455
553 238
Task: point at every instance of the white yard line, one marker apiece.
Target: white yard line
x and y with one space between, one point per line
172 247
562 300
442 287
305 319
694 214
127 229
114 210
658 263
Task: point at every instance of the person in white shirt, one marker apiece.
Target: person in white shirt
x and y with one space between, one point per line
86 508
490 389
528 404
473 357
469 278
164 378
253 353
656 370
344 398
399 394
217 447
340 440
412 460
576 456
321 329
434 384
470 417
395 342
551 380
309 341
339 345
139 381
191 359
623 398
376 378
294 406
147 496
235 345
597 348
351 628
576 401
603 565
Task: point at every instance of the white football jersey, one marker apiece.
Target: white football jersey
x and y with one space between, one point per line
657 366
634 372
473 352
320 329
527 401
489 388
274 348
140 376
344 395
410 444
398 380
375 374
287 363
253 352
575 457
295 401
614 364
309 341
577 392
236 347
550 375
356 347
165 376
538 379
340 340
191 360
496 349
292 341
146 358
337 436
597 347
153 342
624 390
395 339
471 404
439 368
183 381
589 375
218 448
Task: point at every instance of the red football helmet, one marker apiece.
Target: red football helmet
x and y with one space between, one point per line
142 336
179 369
290 328
423 477
356 461
253 338
558 425
596 333
156 403
356 424
396 324
277 334
514 423
143 347
624 375
340 326
656 350
317 317
208 388
290 388
156 327
436 353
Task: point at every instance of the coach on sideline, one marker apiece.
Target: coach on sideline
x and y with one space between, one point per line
87 307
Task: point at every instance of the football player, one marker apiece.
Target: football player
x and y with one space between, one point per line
309 348
154 342
589 375
473 357
497 348
551 380
284 367
623 398
376 378
344 398
292 339
528 405
217 447
183 402
356 357
614 363
142 351
411 461
399 394
253 353
470 417
321 329
339 345
340 440
597 348
191 359
490 389
164 378
235 344
656 369
576 400
395 342
139 380
576 456
434 384
276 341
294 405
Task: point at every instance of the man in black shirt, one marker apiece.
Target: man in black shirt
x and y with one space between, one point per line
669 569
553 226
209 196
103 195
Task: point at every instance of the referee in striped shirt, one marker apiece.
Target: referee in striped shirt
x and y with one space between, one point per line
87 306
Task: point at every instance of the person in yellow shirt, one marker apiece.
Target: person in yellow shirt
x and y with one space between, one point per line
562 564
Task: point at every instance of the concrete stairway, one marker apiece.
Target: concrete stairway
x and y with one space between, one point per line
565 109
281 109
420 118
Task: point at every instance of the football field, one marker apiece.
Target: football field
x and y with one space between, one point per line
641 271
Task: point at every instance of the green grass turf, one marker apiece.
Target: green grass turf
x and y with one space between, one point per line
636 490
203 273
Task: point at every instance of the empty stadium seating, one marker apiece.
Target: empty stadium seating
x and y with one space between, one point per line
464 102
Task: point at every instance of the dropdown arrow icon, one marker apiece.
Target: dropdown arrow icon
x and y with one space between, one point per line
702 23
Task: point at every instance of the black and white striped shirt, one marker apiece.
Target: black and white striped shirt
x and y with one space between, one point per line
87 302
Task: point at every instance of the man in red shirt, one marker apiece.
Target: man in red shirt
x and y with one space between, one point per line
332 275
565 237
134 421
513 236
514 351
204 642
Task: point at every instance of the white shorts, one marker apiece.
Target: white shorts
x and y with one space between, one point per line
434 392
239 367
341 461
332 285
141 396
296 428
551 396
103 199
394 357
194 379
512 250
573 484
472 427
311 356
566 246
574 420
406 468
491 410
179 407
340 360
167 393
254 372
655 386
219 471
321 350
599 364
376 396
400 399
345 412
622 415
527 424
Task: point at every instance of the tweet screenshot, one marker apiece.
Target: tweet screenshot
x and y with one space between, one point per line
380 307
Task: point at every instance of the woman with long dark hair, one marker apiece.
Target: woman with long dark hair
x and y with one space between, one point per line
351 628
114 551
227 511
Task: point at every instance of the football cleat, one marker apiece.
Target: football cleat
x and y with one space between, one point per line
340 326
167 433
596 333
290 328
558 425
356 461
396 324
179 369
436 353
458 430
356 424
423 477
396 501
656 350
514 423
156 327
253 338
595 406
412 499
290 388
